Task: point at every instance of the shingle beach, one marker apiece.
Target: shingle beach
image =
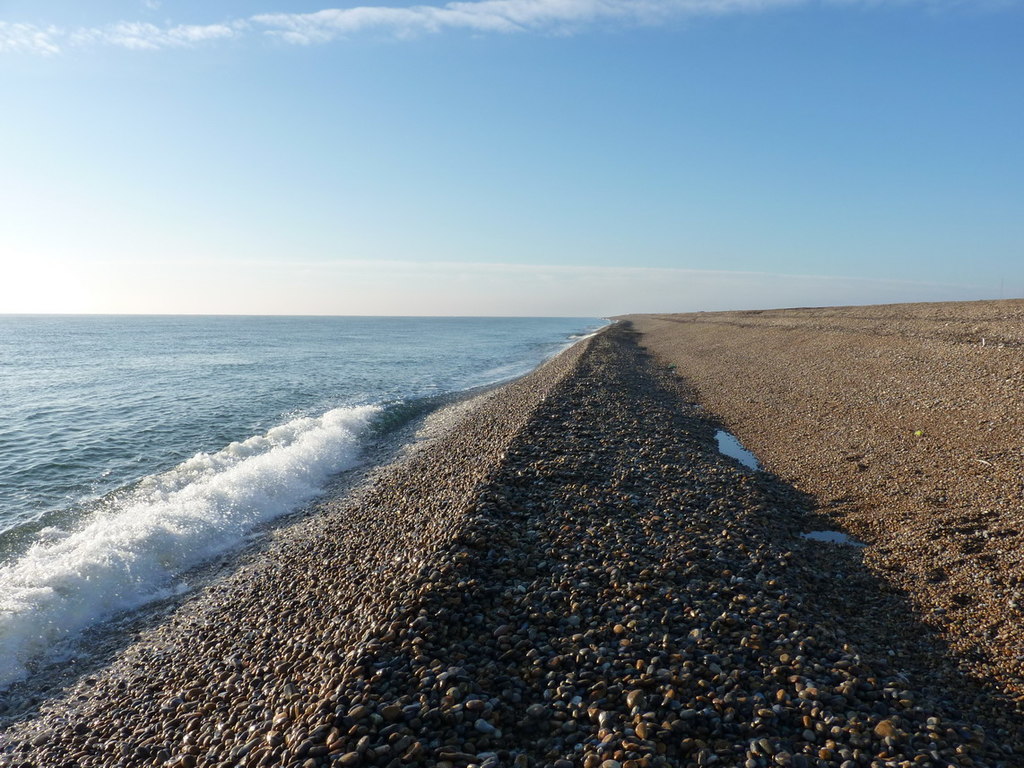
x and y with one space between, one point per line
905 423
569 573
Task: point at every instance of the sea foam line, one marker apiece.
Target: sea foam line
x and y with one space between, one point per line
129 553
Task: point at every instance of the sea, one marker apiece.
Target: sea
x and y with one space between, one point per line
134 449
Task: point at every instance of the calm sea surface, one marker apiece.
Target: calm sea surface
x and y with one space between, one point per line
135 448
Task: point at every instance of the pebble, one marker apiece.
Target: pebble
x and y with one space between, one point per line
885 729
431 619
905 429
484 727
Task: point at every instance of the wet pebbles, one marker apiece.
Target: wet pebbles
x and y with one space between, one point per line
572 577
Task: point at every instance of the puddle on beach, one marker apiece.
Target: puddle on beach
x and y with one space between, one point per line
833 537
731 447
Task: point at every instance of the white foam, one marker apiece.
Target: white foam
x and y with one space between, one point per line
130 552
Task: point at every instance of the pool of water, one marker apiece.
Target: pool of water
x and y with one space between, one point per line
833 537
733 448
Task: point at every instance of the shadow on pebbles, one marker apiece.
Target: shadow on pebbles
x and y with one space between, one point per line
573 577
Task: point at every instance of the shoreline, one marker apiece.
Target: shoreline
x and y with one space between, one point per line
101 644
366 494
390 438
571 575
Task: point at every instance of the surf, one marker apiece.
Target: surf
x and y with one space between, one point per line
134 548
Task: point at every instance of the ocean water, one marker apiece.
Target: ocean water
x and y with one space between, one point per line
135 448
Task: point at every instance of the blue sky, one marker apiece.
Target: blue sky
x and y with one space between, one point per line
509 156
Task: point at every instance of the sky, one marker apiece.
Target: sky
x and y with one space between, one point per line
508 157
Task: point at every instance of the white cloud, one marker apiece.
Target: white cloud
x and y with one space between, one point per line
142 36
28 38
491 16
494 16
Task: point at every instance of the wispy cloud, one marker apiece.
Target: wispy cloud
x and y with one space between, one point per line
481 16
29 38
133 35
142 36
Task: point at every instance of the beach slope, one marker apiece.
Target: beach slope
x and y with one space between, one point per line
904 424
570 574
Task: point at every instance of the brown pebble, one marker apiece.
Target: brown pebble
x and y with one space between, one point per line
886 730
360 712
42 738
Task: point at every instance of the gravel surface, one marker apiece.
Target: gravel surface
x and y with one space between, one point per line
904 423
570 574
